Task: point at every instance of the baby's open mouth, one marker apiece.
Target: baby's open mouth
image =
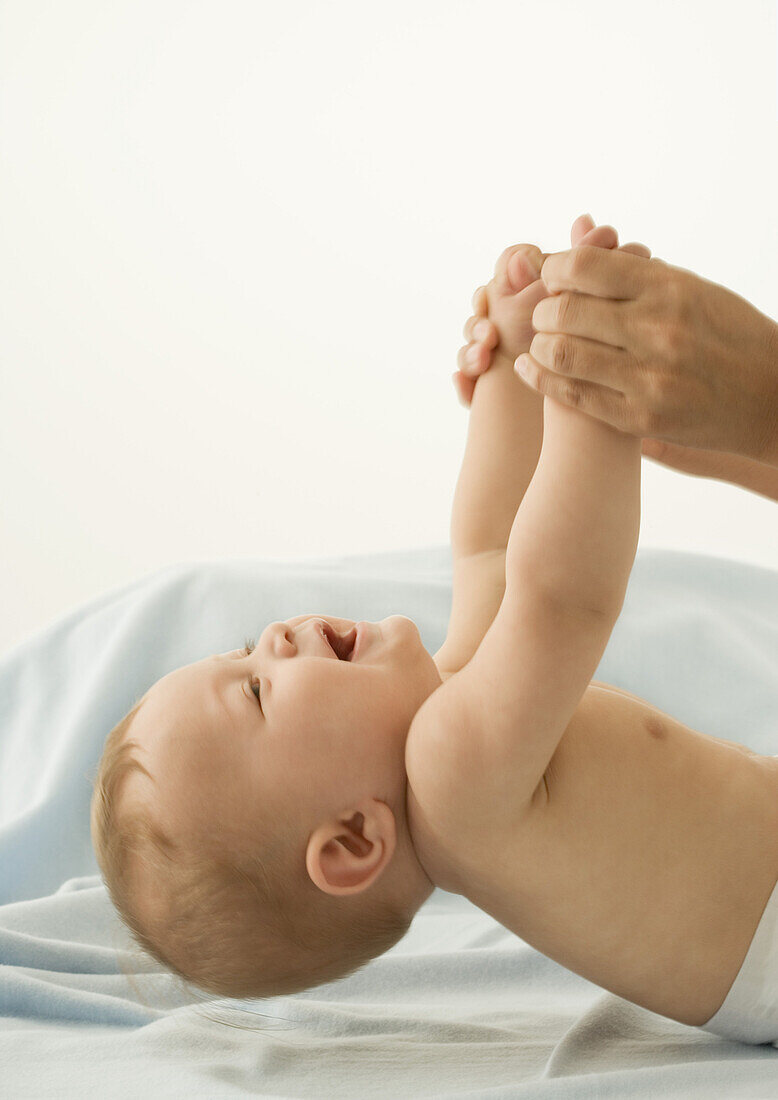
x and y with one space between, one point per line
341 647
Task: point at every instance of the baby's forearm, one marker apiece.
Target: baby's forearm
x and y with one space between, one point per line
503 445
576 532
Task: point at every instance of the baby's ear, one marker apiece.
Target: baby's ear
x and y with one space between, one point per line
345 855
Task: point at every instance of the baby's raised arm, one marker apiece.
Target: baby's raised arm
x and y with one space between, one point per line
568 560
574 537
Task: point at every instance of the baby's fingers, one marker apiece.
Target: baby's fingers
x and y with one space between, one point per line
480 301
482 330
474 358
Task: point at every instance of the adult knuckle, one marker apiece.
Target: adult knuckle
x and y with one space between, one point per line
572 395
669 312
669 336
676 296
658 329
564 309
540 381
581 259
662 277
562 355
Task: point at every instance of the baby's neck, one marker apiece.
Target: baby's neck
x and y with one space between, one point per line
438 864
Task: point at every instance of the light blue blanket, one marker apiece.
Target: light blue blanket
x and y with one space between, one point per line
460 1007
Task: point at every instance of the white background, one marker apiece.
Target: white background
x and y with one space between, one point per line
238 243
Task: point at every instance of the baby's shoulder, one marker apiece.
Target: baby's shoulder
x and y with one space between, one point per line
459 785
459 790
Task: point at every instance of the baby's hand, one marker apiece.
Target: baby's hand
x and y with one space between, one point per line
501 326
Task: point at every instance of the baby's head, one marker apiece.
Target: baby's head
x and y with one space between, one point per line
249 813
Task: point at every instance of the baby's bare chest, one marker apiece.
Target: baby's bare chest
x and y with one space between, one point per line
647 862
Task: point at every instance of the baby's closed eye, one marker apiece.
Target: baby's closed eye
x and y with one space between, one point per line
254 683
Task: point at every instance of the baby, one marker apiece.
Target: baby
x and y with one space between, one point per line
267 821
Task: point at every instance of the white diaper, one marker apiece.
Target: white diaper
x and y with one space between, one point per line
750 1009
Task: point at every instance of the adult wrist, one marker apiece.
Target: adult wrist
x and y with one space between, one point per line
758 477
769 453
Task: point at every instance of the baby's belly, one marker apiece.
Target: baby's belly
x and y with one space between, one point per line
648 865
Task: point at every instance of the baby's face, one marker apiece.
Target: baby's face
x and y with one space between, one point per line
286 731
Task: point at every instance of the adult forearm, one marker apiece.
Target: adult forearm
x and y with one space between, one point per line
575 535
504 437
758 477
768 455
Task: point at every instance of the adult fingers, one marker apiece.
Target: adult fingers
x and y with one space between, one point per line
601 272
600 402
581 315
574 361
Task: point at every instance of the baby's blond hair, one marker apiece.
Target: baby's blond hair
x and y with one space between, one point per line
235 920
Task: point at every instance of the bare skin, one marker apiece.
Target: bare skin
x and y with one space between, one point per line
700 435
644 858
656 907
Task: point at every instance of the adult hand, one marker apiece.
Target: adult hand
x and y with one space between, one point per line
517 264
658 351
